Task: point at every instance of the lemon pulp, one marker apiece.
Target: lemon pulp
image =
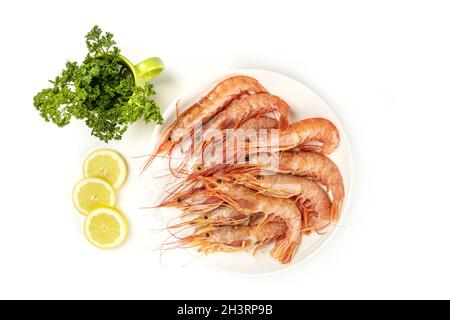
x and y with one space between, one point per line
91 193
106 228
106 164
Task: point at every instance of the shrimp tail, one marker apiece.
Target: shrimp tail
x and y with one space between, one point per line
335 210
284 251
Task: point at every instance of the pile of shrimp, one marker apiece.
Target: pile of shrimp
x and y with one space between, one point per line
271 188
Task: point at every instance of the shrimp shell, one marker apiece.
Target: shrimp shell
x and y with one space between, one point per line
235 116
248 108
234 238
246 200
195 200
214 102
307 164
314 200
258 123
222 215
314 165
232 141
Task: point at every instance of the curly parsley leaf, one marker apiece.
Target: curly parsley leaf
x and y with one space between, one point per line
99 91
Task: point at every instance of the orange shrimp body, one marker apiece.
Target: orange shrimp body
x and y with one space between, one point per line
239 112
314 200
246 200
262 122
215 101
222 215
301 134
246 108
234 238
318 167
196 200
230 149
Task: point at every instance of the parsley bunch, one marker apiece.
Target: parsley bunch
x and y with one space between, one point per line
101 91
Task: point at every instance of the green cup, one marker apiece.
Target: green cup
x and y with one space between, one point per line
145 71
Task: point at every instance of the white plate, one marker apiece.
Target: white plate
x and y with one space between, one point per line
304 104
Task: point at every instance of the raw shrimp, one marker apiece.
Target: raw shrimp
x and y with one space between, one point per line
195 200
307 164
215 101
310 164
223 215
231 148
235 238
275 209
262 122
315 202
301 134
247 108
224 124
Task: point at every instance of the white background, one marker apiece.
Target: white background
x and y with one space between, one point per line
383 66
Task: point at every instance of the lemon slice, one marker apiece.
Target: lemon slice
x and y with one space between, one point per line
106 164
91 193
106 228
